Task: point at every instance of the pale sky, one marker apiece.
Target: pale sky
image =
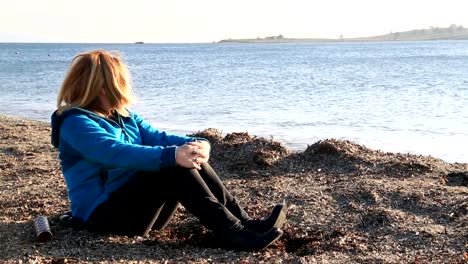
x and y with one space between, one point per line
169 21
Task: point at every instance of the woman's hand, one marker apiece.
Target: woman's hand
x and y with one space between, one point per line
203 148
186 156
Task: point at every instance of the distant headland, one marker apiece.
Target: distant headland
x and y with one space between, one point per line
453 32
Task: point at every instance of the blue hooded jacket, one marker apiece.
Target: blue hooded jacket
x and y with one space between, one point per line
99 155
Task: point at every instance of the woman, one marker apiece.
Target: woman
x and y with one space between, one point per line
126 177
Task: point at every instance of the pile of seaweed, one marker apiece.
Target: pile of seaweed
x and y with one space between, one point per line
241 152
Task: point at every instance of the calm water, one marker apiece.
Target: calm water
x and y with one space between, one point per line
398 97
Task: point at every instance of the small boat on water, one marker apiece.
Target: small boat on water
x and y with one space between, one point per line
139 42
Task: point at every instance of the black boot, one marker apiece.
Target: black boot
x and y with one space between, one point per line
240 238
276 219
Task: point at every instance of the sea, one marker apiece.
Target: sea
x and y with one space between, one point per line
407 97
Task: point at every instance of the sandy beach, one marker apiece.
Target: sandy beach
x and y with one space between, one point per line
347 204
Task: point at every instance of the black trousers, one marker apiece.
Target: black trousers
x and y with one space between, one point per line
149 200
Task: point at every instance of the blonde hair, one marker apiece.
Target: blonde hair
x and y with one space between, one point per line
89 73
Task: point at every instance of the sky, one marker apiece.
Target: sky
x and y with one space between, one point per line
192 21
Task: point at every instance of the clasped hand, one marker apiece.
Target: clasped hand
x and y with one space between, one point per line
193 154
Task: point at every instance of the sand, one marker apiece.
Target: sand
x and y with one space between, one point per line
346 204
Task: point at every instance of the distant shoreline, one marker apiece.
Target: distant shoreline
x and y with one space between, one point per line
453 32
240 41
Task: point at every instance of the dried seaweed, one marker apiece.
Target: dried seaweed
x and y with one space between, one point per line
346 204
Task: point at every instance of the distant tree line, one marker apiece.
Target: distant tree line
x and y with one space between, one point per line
451 29
279 37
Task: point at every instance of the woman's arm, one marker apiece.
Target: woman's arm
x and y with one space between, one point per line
153 137
96 144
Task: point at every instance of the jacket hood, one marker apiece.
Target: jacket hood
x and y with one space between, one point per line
57 120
